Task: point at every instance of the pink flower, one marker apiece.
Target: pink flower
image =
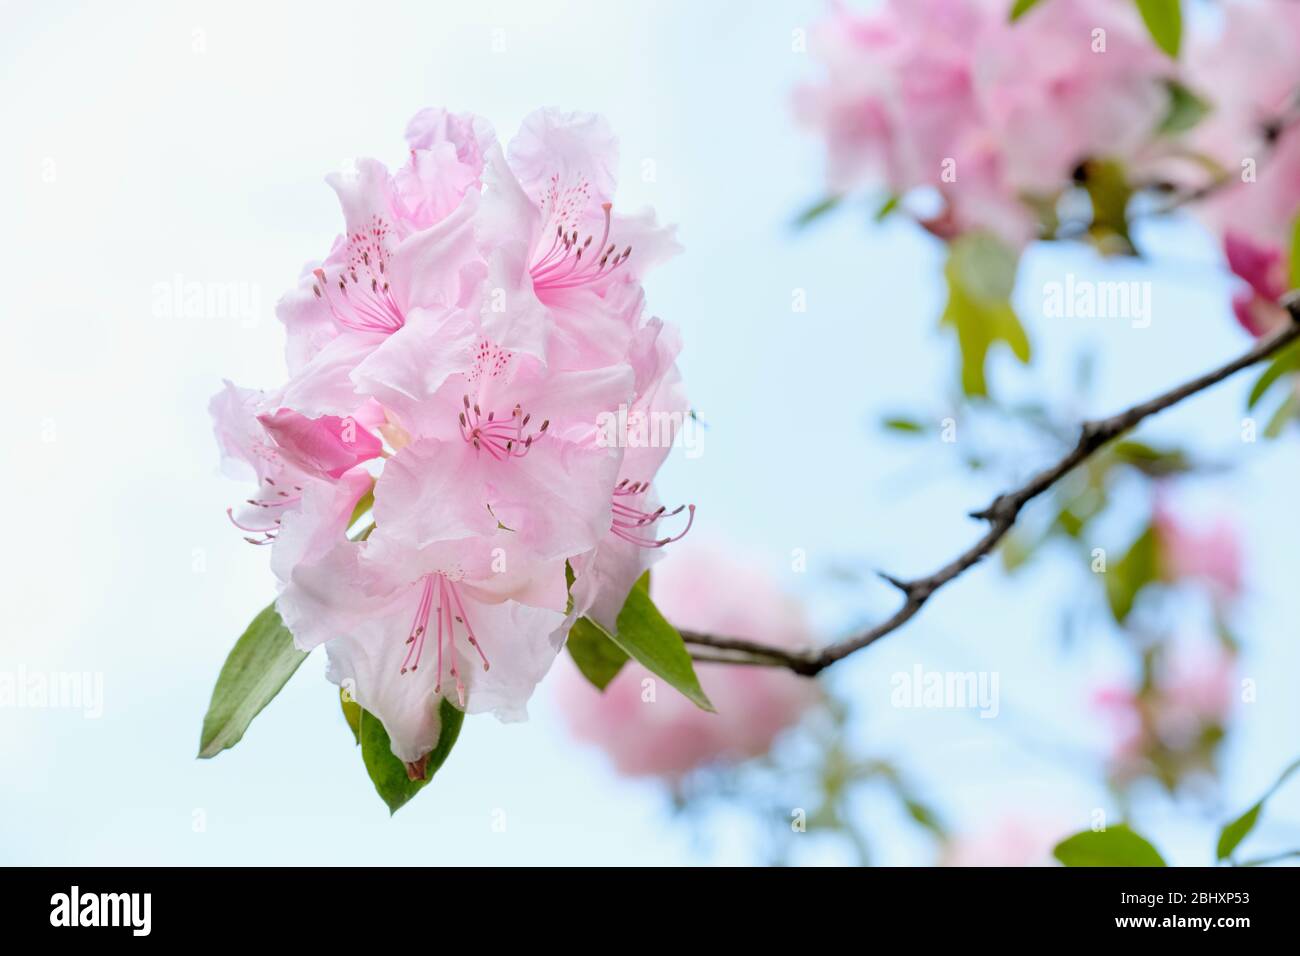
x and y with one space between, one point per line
1210 556
1163 724
1251 76
668 736
307 474
947 94
457 351
1053 95
403 627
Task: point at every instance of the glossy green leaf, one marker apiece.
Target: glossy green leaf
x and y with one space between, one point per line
646 636
263 660
1235 831
392 778
597 656
1164 20
1114 846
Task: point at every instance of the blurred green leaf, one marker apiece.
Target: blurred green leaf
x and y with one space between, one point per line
924 816
1107 186
1235 831
816 211
898 423
392 778
1151 461
1016 550
888 206
1284 414
1186 109
261 663
1020 8
1114 846
1164 20
1285 362
1293 260
981 273
1131 573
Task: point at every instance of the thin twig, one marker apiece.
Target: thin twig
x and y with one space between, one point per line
1001 516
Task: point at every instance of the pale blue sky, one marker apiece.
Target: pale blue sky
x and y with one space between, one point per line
154 141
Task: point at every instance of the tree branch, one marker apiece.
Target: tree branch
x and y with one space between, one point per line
1001 515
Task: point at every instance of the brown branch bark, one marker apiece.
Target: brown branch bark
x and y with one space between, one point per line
1001 515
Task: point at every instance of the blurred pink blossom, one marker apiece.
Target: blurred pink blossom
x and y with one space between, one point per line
1210 555
1165 724
709 590
947 94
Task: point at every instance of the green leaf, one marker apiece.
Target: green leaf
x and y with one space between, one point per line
1131 573
1164 20
816 211
900 423
364 504
1285 413
598 658
981 273
924 816
1235 831
351 713
886 207
1151 461
1288 360
1293 260
1186 109
1108 188
393 778
262 661
646 636
1114 846
1020 8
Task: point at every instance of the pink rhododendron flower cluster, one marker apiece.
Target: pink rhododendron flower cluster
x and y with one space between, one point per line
457 354
947 94
647 732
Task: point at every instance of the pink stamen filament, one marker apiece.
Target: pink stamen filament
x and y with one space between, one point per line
283 499
369 307
501 438
629 520
549 271
446 620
